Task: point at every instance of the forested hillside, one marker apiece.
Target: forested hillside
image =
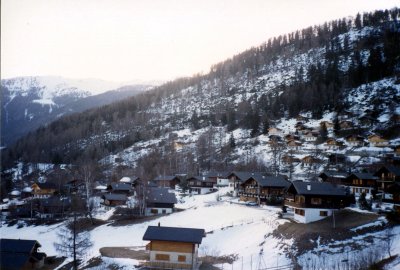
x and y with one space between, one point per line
314 71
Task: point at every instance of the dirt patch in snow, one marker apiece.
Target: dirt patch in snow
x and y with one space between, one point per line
327 230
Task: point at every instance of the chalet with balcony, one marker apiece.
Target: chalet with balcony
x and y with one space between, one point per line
114 199
200 185
377 141
43 190
362 183
312 201
288 160
354 140
173 247
159 201
219 178
388 175
20 254
332 144
120 188
275 131
262 189
294 145
334 177
167 181
310 137
310 161
237 177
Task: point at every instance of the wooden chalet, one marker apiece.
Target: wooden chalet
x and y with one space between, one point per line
310 161
132 180
112 199
288 160
377 141
169 181
388 175
43 190
200 185
173 247
310 137
334 177
20 254
262 189
120 188
159 201
328 125
238 177
362 183
219 178
294 145
275 131
354 140
332 144
52 207
345 124
312 201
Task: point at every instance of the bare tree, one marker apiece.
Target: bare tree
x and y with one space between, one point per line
73 240
276 150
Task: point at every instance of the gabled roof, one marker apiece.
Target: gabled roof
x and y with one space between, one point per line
160 195
315 188
334 174
243 176
271 181
115 197
165 178
201 178
46 185
218 174
367 176
120 187
174 234
393 169
18 245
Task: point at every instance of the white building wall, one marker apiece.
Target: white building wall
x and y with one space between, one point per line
159 211
173 257
223 182
200 191
311 215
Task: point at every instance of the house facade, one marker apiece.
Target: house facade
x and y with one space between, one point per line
43 190
377 141
159 201
362 183
262 189
389 178
313 201
199 185
169 181
173 247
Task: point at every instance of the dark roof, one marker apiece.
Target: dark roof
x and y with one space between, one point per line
115 197
201 178
174 234
243 176
367 176
160 195
120 187
218 174
316 188
18 245
271 181
165 177
334 174
393 169
46 185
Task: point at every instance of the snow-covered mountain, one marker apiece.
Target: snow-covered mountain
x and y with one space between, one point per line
28 102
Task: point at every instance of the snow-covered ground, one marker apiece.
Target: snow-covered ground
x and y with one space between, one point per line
231 226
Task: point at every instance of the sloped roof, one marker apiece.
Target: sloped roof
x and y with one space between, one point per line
316 188
244 176
18 245
120 186
335 174
271 181
165 178
160 195
46 185
174 234
364 176
115 197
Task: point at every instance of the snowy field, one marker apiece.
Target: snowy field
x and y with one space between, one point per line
232 228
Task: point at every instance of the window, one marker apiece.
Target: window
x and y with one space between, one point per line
181 258
300 199
164 211
299 212
316 201
154 211
323 213
162 257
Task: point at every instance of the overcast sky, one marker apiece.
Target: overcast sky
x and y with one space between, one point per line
126 40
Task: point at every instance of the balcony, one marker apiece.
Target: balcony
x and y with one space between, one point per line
293 203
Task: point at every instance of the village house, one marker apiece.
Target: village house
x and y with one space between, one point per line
53 207
263 189
238 177
43 190
119 188
377 141
132 181
219 178
388 176
332 144
111 199
294 145
345 124
334 177
354 140
275 132
310 162
362 183
169 181
159 201
200 185
328 125
20 254
173 247
288 160
312 201
310 137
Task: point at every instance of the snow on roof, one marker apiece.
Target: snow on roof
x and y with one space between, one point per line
125 179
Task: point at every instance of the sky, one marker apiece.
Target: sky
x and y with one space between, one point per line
148 40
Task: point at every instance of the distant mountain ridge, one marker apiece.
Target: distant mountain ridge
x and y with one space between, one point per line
29 102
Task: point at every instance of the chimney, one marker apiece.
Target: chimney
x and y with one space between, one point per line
308 187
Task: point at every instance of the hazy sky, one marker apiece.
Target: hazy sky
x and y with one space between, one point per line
125 40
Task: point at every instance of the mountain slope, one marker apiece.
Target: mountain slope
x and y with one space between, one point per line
221 119
29 102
